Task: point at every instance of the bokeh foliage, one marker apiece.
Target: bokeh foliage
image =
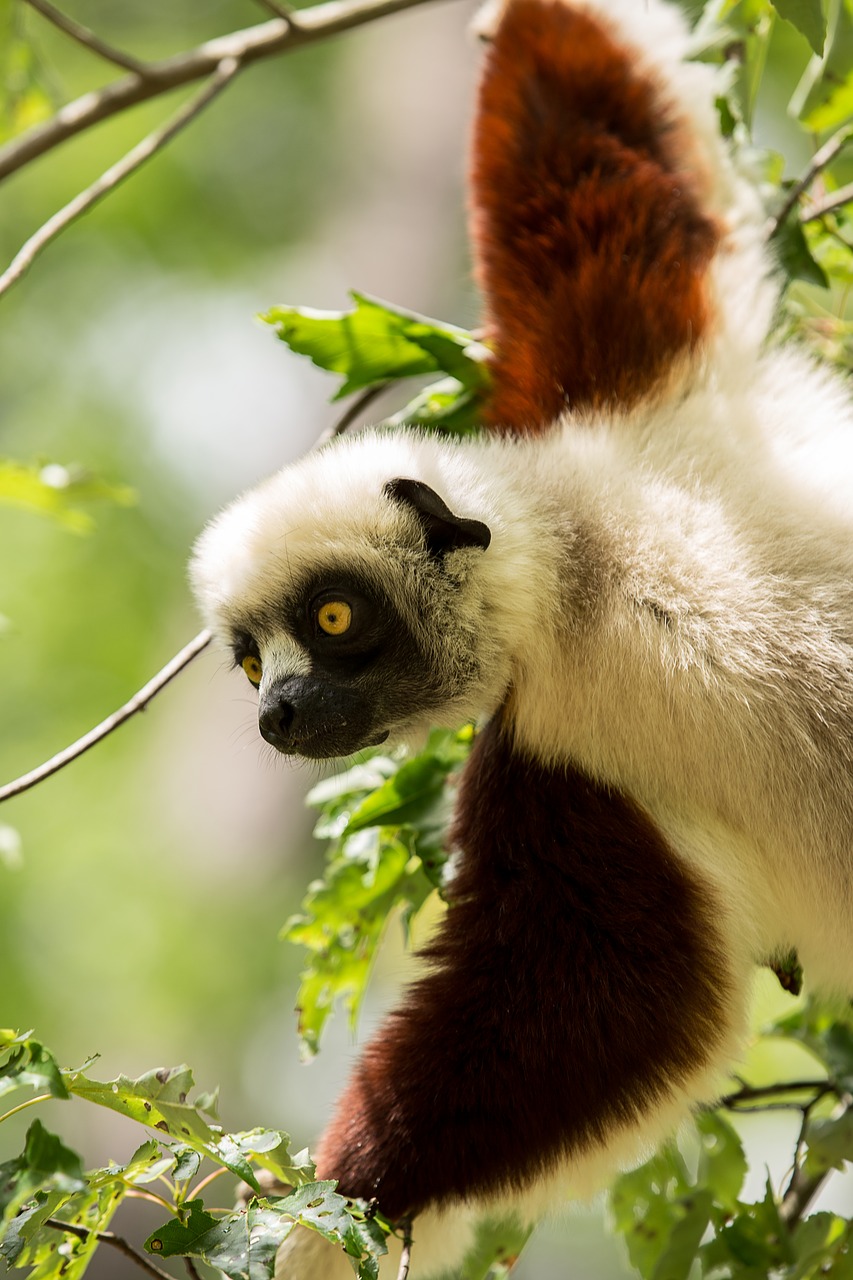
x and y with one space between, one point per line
86 617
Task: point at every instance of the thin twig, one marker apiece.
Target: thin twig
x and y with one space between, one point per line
819 161
349 416
138 702
834 200
753 1093
247 46
192 1269
108 181
406 1255
109 1237
87 38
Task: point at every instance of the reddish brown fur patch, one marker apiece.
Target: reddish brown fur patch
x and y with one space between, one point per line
575 978
590 245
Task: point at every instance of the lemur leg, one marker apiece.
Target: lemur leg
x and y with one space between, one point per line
579 989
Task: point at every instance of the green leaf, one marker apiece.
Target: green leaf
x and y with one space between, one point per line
376 343
160 1099
55 1188
827 1036
24 1061
53 490
244 1244
815 1239
497 1245
824 97
648 1203
448 406
808 17
722 1164
830 1143
343 920
755 1240
390 821
794 254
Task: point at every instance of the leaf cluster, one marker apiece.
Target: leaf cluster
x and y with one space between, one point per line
684 1212
55 1213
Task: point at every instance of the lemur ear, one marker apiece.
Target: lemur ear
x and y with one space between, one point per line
443 530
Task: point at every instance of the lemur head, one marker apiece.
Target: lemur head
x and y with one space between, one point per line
354 589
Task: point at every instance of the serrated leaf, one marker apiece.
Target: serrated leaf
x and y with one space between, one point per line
447 406
808 17
187 1161
389 856
160 1099
755 1240
376 343
646 1205
244 1244
343 919
25 1061
814 1241
830 1143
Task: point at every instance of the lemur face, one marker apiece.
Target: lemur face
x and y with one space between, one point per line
350 632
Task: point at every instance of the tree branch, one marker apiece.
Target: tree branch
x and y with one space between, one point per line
108 181
138 702
406 1255
109 1237
834 200
819 161
754 1093
87 38
246 46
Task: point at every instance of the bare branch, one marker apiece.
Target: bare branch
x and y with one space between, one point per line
406 1255
87 38
246 46
833 200
109 1237
819 161
754 1093
108 181
138 702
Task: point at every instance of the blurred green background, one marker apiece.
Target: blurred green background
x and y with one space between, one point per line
140 918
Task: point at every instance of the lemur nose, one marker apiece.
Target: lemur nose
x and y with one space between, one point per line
275 720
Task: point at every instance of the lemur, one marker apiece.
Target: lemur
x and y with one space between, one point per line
638 580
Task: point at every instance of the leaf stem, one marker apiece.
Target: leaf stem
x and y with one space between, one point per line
205 1182
22 1106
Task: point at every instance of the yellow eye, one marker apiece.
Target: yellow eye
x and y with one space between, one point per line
334 617
253 669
